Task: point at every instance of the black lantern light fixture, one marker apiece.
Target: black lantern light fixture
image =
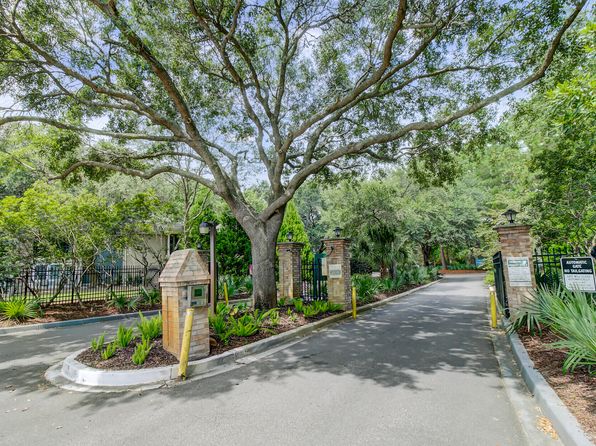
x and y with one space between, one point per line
290 236
510 215
337 231
204 227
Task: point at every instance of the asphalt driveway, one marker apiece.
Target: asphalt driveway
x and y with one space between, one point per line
418 371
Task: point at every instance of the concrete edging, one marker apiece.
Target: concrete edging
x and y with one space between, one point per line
564 422
74 375
72 322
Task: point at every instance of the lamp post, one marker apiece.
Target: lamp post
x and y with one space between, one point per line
209 227
337 231
510 215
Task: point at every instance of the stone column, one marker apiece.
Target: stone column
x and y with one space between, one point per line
518 266
339 277
290 269
184 282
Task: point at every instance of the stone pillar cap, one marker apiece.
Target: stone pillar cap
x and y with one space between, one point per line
185 266
513 227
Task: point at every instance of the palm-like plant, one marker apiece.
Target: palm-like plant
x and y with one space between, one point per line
18 309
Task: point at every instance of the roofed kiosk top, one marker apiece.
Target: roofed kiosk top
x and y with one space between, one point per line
185 267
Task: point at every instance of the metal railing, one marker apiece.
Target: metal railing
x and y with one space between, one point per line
547 265
51 286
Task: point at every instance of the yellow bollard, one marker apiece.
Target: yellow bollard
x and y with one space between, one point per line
226 292
493 310
186 343
354 302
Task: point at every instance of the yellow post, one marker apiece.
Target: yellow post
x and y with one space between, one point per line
354 302
186 343
493 310
226 292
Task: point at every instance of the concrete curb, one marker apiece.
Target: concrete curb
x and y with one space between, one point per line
73 375
564 422
89 320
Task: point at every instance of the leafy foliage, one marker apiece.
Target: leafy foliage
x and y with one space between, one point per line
571 315
150 328
141 352
109 351
18 309
97 343
150 297
124 336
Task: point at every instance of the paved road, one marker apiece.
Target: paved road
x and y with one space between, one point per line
418 371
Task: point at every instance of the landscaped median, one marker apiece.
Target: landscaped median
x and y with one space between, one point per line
553 339
74 374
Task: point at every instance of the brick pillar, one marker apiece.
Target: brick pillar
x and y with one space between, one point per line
290 269
518 266
184 271
339 277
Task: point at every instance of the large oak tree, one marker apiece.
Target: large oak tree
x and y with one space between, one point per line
277 89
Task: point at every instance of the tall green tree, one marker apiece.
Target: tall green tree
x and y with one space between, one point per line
229 84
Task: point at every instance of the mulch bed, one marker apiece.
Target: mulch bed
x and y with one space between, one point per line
67 312
122 360
577 390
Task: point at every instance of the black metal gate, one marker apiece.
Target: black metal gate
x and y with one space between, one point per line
500 288
314 283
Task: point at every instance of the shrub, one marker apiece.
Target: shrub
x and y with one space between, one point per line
150 297
310 311
333 308
97 343
141 352
274 317
119 301
298 304
571 315
281 301
489 279
399 281
18 309
150 328
244 326
109 351
366 287
386 285
222 308
124 336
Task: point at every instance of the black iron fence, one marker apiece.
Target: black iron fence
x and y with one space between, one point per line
314 283
547 265
500 288
57 285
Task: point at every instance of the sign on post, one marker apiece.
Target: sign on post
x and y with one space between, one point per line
578 273
518 272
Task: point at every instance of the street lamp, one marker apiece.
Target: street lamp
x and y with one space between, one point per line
337 231
209 227
290 236
510 215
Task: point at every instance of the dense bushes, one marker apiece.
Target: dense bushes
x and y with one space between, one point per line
570 315
367 286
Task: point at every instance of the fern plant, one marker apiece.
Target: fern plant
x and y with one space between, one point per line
18 309
109 351
150 297
244 326
298 304
150 328
97 343
310 311
274 317
124 336
141 352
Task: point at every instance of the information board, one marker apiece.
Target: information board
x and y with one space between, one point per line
335 271
518 272
578 273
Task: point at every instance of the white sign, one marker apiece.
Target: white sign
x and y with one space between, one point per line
335 271
518 272
578 273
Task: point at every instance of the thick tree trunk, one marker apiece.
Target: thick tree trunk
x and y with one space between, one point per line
443 258
426 251
263 239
